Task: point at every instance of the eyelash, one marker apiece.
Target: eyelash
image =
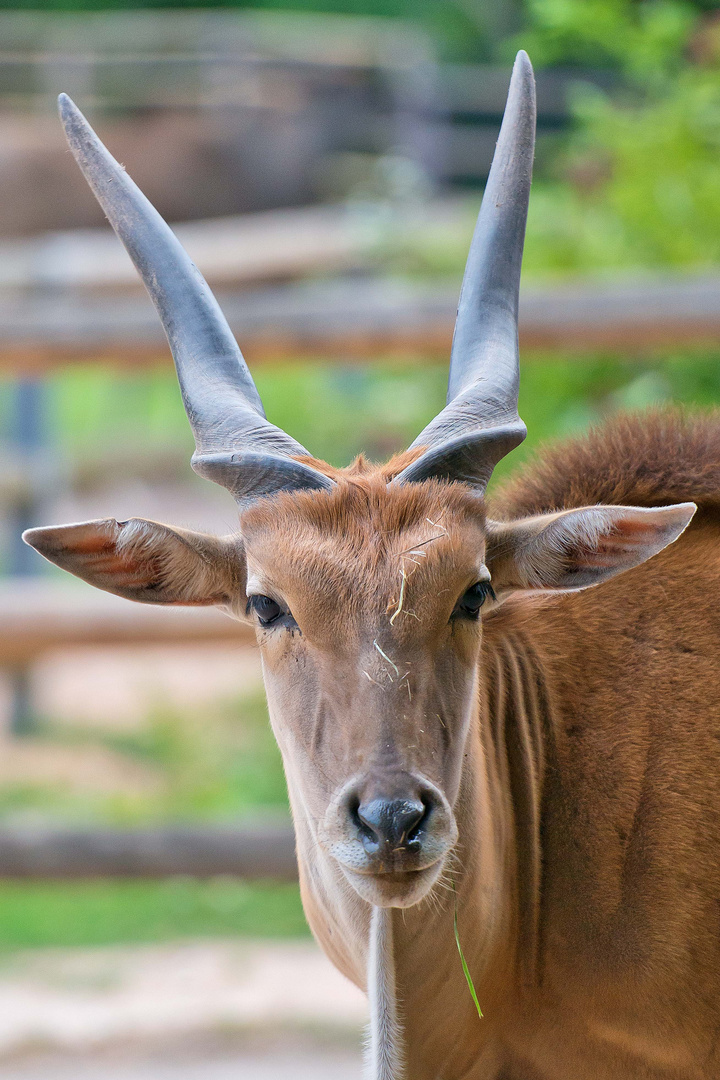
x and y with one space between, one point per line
268 611
469 604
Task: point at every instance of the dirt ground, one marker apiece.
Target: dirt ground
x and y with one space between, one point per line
196 1010
305 1062
78 999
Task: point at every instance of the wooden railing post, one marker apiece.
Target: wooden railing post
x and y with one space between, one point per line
28 439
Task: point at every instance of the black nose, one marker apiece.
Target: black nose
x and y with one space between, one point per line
390 823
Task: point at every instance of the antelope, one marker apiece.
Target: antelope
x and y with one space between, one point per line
499 719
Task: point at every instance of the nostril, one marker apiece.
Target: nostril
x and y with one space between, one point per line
391 822
411 818
412 837
367 836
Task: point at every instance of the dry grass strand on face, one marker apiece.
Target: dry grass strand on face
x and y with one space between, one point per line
360 528
366 507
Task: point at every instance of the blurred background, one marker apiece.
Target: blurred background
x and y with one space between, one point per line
323 161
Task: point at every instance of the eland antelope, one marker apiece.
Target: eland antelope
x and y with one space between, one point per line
499 721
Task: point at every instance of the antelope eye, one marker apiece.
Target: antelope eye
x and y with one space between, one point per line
469 604
267 610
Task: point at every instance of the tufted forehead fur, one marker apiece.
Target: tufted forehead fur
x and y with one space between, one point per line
646 459
354 543
364 508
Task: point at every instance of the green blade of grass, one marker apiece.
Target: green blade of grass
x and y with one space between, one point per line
463 961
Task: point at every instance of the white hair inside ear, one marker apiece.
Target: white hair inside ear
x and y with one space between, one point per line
147 561
574 549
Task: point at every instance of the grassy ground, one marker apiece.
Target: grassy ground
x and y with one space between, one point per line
38 915
223 766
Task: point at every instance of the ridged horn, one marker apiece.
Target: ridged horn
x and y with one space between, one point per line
235 445
480 423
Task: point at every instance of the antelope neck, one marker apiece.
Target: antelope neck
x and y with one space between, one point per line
494 878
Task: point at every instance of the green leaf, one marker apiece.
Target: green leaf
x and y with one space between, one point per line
466 969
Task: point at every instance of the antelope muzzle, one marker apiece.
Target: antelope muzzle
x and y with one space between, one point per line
390 832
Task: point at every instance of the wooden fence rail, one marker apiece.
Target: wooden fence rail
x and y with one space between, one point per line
262 852
364 317
38 615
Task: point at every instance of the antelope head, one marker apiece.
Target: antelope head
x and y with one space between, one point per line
367 586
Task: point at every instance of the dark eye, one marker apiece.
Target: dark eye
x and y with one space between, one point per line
469 604
267 610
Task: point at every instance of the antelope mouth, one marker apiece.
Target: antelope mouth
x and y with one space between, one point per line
401 866
390 833
394 888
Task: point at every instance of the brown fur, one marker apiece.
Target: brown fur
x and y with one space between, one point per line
616 691
363 512
583 772
648 459
363 467
575 934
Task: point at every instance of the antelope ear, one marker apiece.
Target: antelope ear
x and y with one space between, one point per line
573 549
145 561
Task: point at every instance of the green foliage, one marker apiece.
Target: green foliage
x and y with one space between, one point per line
336 410
378 408
645 40
640 170
38 915
350 7
92 405
564 396
462 29
662 156
221 766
